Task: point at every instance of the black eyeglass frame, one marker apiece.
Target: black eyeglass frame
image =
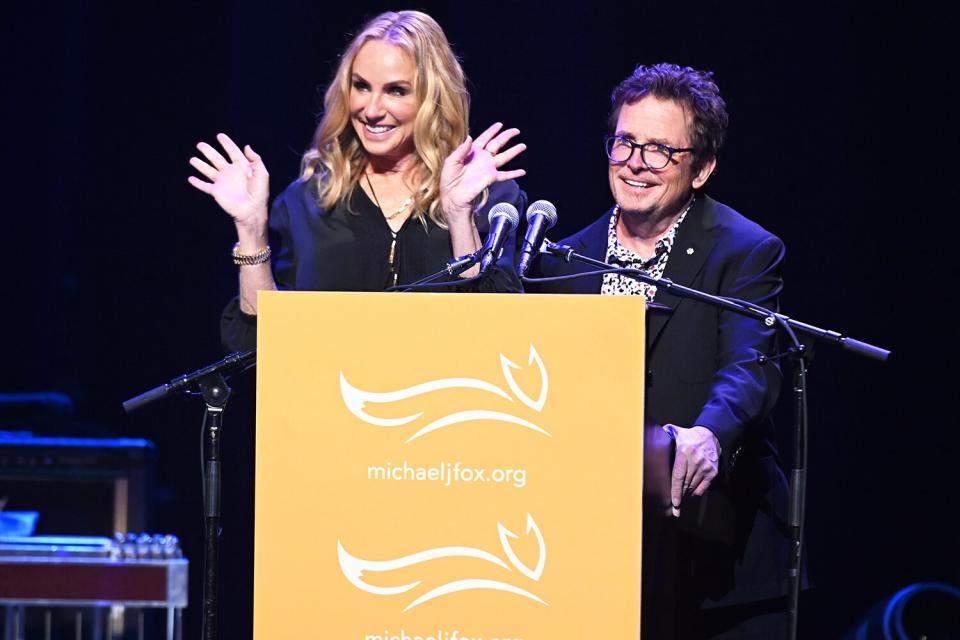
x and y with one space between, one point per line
608 146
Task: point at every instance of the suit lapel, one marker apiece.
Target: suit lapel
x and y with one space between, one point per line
693 244
592 242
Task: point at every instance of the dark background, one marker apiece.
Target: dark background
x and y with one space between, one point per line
840 142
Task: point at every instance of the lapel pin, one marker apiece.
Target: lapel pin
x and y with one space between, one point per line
690 251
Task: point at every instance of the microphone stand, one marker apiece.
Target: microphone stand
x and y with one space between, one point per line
797 353
742 307
503 220
454 267
210 383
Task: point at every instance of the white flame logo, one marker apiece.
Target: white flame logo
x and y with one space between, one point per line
356 400
354 568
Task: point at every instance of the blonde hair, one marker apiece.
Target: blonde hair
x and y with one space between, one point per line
337 159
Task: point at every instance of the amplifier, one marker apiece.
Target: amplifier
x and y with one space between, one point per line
89 486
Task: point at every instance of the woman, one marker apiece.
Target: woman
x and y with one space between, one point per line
389 188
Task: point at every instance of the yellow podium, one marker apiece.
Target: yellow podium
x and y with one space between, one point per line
448 466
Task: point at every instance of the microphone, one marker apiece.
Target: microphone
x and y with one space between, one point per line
503 219
541 216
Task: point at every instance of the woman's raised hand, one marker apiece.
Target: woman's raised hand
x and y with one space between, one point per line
240 184
474 166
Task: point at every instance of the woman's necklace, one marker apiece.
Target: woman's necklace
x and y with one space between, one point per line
403 205
392 257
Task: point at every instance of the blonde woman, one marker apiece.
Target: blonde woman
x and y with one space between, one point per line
390 189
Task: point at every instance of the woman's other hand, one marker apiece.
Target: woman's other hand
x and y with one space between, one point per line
474 166
240 184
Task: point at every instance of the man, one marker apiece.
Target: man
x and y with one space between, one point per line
707 383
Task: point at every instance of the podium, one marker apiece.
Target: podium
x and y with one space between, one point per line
448 466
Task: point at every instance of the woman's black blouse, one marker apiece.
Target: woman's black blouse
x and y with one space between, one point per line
348 249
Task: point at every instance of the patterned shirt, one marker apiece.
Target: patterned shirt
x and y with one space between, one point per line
616 284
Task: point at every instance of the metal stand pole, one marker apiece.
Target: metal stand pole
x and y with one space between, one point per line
798 486
215 394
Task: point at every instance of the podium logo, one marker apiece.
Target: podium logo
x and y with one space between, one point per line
357 400
355 569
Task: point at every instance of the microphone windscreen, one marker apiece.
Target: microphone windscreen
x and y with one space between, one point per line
505 210
544 207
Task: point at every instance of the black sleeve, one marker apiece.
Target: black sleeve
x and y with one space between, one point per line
238 330
743 390
501 277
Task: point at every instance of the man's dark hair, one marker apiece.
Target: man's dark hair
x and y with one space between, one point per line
694 90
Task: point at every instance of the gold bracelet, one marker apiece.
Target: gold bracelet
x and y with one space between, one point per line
241 259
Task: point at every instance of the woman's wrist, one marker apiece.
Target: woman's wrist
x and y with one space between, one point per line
460 219
252 238
454 213
464 234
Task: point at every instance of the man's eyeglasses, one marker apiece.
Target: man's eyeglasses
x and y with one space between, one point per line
653 154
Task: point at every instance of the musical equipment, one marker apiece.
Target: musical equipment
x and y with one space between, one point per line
99 576
82 486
